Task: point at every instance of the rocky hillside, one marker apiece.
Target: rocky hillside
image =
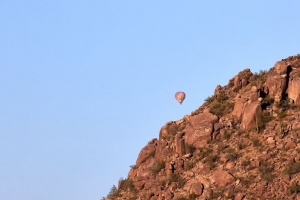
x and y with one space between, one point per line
242 143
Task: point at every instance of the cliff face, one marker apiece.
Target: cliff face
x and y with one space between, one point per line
242 143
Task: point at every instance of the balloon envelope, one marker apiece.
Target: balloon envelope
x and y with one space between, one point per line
180 96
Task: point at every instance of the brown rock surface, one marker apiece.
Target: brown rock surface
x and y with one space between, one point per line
200 129
223 178
250 115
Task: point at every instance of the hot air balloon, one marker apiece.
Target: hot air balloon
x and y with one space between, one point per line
179 96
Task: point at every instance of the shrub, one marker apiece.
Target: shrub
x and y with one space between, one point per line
241 146
172 129
220 105
297 56
127 184
192 196
209 99
231 83
189 165
292 168
281 114
113 193
157 167
133 166
176 178
232 156
222 147
266 171
204 152
245 163
227 135
211 161
269 100
190 148
246 180
256 142
262 119
152 153
294 188
182 198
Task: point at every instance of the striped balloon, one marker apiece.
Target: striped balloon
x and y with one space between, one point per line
180 96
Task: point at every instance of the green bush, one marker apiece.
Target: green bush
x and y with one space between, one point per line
231 83
293 168
245 163
157 167
241 146
211 161
262 119
281 114
204 152
190 148
219 105
189 165
127 184
265 170
176 178
256 142
227 135
294 188
172 129
113 193
232 156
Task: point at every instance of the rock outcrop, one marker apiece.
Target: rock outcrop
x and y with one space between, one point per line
242 143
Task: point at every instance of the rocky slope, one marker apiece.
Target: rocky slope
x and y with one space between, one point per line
242 143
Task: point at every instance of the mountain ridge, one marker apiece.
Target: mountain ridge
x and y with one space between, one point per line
242 143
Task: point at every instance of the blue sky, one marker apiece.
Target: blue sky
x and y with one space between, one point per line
86 84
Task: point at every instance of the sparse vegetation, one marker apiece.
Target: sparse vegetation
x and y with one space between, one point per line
297 56
127 184
265 170
227 135
133 166
172 129
204 152
292 168
241 146
294 187
261 120
189 148
152 153
113 193
176 178
157 167
189 165
232 156
222 147
219 104
246 181
245 163
211 161
256 142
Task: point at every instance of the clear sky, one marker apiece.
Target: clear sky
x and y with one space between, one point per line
86 84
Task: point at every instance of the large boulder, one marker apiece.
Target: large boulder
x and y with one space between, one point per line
223 178
276 84
239 106
293 89
147 152
180 143
281 67
200 129
163 150
250 115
